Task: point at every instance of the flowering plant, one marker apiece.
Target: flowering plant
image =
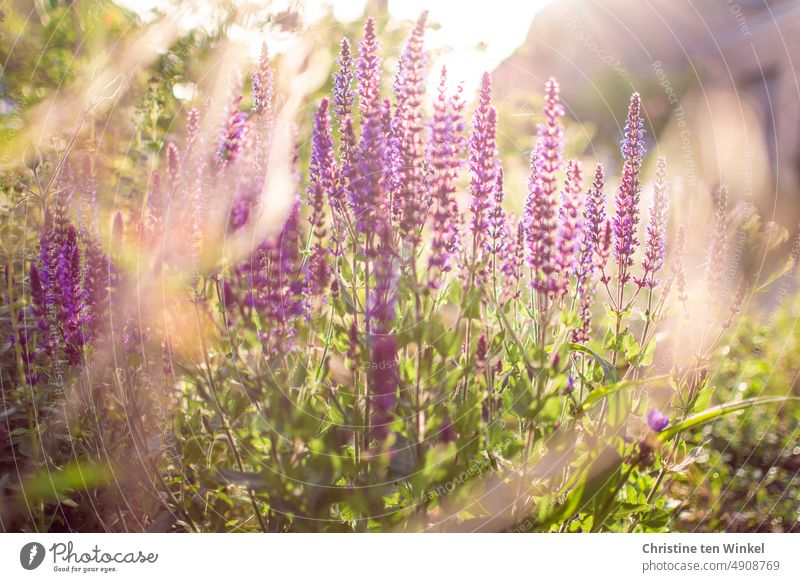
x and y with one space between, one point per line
389 356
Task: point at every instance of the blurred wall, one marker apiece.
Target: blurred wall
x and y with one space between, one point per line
719 82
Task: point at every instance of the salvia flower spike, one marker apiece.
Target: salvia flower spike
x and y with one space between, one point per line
718 243
483 167
368 186
541 212
445 148
411 196
322 180
570 226
626 218
656 245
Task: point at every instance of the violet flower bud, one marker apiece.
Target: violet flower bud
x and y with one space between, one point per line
570 387
480 353
656 420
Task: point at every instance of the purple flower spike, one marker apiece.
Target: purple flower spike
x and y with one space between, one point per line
656 245
498 223
539 225
603 250
368 182
680 263
368 71
234 131
482 165
570 226
411 195
445 146
99 275
551 138
718 243
38 297
262 122
173 165
513 256
594 216
273 286
192 128
541 205
656 420
593 254
480 352
343 94
68 282
343 100
263 84
626 219
583 333
322 179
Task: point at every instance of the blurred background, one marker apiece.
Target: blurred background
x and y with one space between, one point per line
719 79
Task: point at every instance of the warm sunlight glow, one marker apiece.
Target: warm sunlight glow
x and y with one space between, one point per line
466 38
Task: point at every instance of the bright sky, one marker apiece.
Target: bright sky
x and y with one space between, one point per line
474 35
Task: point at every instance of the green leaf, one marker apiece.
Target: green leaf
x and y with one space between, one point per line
631 347
605 391
595 485
346 270
552 409
445 341
718 411
657 519
609 371
648 351
53 485
472 304
618 409
703 399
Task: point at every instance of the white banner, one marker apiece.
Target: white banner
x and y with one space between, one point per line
398 557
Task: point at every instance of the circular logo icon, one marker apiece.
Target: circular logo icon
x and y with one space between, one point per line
31 555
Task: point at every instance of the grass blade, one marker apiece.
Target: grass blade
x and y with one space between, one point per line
718 411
